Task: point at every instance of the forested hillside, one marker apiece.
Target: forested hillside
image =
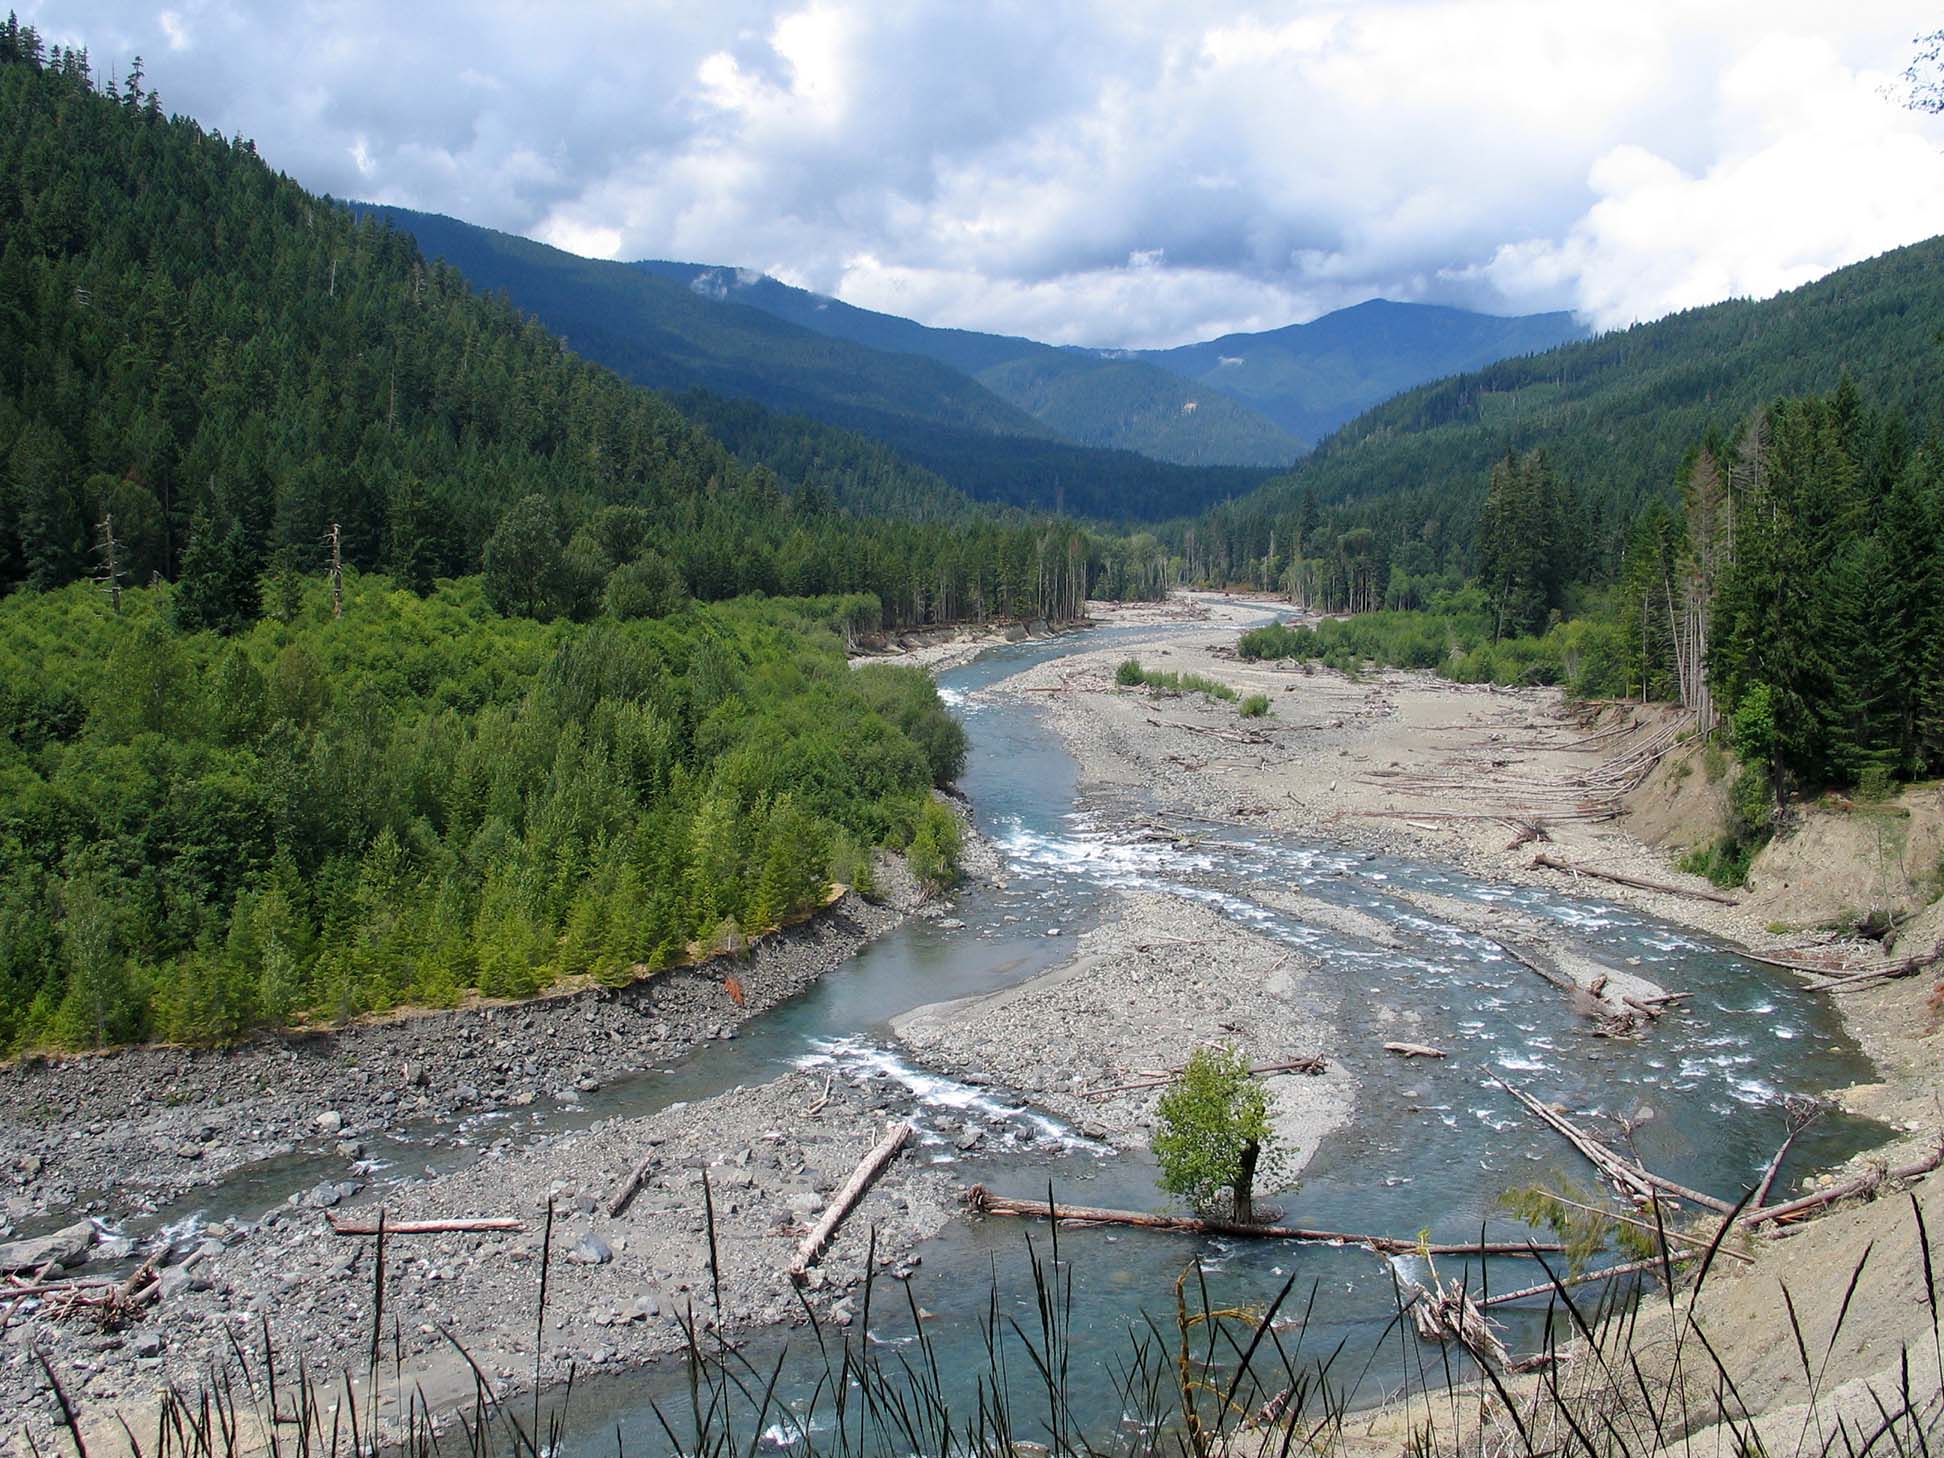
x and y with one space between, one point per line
505 742
1110 400
326 815
1311 378
220 366
1614 415
661 333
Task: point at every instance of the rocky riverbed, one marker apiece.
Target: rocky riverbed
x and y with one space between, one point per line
102 1159
1158 978
619 1287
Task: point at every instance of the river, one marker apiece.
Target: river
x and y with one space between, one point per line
1428 1148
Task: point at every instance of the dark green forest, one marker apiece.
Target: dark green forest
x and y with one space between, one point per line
576 701
326 815
1790 588
1616 416
219 366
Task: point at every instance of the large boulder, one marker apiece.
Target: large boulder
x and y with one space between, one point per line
65 1247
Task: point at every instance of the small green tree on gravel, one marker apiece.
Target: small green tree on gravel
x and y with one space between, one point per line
1215 1135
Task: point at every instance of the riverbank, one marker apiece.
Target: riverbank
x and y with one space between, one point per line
497 1100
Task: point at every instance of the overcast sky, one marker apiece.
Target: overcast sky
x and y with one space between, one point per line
1121 173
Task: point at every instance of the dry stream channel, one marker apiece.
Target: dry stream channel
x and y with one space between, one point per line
1428 1147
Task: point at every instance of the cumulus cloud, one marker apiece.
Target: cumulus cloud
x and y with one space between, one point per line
1099 171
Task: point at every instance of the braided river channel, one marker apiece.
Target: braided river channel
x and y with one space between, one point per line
1429 1147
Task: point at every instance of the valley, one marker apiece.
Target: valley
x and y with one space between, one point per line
1127 905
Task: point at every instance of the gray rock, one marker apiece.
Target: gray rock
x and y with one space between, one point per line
323 1197
591 1250
803 1203
67 1246
116 1248
646 1305
330 1121
147 1344
186 1150
951 923
177 1280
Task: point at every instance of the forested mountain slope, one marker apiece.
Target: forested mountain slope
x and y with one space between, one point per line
1262 397
665 335
1109 400
1617 413
1311 378
225 366
506 743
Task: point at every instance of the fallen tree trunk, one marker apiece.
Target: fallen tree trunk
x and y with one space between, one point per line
1626 1173
1414 1050
1640 883
1863 1184
631 1186
982 1200
426 1227
1309 1065
862 1178
1626 1268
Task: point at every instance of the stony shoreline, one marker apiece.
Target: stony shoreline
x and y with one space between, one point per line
111 1139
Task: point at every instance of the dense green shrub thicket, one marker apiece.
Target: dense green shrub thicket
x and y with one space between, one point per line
1454 638
318 816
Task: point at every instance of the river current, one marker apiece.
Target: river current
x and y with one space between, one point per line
1429 1147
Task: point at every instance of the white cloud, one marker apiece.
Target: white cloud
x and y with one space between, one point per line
1100 171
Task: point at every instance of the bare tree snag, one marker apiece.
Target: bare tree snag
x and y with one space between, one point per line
862 1178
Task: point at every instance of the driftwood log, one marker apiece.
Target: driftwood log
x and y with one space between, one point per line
425 1227
1309 1065
631 1186
1414 1050
862 1178
1625 1268
984 1201
1641 883
1630 1177
1863 1184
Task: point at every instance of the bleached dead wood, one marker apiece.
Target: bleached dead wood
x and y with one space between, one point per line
1625 1268
1414 1050
631 1186
982 1200
1863 1184
425 1227
1309 1065
1553 863
845 1200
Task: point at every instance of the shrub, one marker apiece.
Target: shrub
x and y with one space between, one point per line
1255 706
1215 1137
1129 674
935 844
